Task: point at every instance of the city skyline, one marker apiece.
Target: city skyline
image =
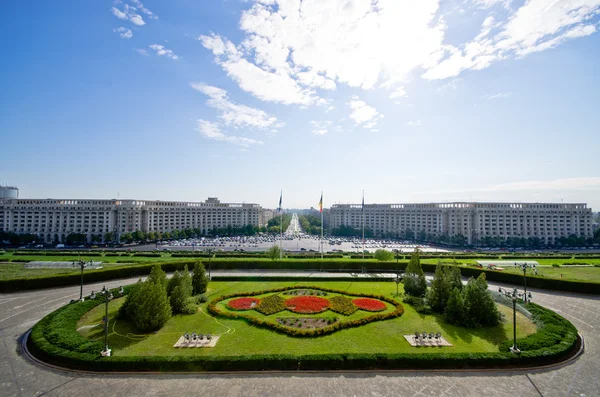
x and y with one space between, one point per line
241 99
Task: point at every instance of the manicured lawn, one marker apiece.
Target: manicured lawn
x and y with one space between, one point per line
239 338
14 270
575 273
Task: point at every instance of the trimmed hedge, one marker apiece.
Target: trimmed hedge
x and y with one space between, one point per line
89 276
55 340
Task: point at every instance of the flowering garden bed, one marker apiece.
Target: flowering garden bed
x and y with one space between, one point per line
312 302
370 305
243 303
307 304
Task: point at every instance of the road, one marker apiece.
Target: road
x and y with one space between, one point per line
19 377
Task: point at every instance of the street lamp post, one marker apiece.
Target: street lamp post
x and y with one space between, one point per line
209 257
514 295
107 297
397 280
524 266
80 264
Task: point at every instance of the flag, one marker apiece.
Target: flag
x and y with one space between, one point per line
321 203
280 198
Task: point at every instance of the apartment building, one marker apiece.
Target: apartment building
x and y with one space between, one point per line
475 221
54 220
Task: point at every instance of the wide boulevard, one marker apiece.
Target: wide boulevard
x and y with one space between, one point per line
20 377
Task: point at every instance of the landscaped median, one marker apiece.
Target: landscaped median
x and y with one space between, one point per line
64 337
309 265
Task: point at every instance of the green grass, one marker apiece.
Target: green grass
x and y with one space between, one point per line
9 269
567 272
239 338
13 267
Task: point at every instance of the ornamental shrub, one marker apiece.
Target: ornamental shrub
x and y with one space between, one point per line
342 305
383 255
271 304
199 279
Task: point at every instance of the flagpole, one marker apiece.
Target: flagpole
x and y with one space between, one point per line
363 224
321 224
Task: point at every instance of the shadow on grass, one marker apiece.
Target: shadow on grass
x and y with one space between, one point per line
121 334
494 335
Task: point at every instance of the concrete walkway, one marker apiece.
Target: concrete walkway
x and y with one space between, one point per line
19 377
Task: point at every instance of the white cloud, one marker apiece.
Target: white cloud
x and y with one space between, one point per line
234 115
321 127
142 51
213 131
293 50
499 95
491 3
119 14
536 26
129 13
414 123
363 114
399 92
452 85
263 84
123 32
161 50
143 9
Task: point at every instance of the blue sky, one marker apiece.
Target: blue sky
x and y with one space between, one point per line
484 100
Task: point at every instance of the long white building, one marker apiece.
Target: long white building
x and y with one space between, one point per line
474 221
54 220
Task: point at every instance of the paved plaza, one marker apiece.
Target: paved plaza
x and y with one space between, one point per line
20 377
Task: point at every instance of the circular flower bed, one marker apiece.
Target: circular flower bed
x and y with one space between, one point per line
370 305
243 303
307 304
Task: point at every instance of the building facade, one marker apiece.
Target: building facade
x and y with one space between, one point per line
474 221
53 220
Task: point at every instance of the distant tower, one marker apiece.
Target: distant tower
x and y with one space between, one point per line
9 192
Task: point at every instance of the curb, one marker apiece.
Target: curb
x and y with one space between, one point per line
532 369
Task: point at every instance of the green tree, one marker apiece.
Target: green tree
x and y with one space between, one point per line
147 307
445 280
138 235
180 291
383 255
454 308
158 276
199 279
174 281
274 252
126 238
414 265
414 279
479 306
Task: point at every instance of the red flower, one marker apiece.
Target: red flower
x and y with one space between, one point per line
307 304
243 303
370 305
